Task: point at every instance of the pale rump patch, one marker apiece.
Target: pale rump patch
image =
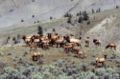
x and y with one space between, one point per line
27 39
36 40
100 59
74 40
80 52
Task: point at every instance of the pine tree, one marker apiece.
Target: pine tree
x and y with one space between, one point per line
67 15
117 6
53 30
51 17
85 16
40 30
69 20
22 20
80 19
93 11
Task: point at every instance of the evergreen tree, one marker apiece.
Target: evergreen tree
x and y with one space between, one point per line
40 30
22 20
85 16
93 11
78 14
99 10
51 17
80 19
69 20
117 6
53 30
67 15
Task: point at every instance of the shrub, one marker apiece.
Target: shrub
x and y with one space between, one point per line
100 71
33 16
117 6
51 17
61 69
36 75
22 20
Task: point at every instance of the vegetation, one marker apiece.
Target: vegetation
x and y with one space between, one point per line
61 69
85 16
67 15
22 20
93 11
40 30
117 6
69 19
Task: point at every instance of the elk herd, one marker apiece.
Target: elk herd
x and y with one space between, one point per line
67 42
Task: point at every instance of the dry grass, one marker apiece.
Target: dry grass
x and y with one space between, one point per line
54 54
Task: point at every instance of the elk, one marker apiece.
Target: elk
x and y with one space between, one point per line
97 42
52 37
60 41
68 47
72 40
100 61
36 56
30 42
111 45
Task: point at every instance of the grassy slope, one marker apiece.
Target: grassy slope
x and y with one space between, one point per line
54 54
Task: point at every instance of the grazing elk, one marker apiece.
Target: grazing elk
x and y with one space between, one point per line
97 42
111 46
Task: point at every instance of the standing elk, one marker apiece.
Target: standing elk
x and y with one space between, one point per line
52 37
30 42
111 45
60 41
73 40
100 61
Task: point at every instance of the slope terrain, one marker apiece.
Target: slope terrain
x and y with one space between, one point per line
13 11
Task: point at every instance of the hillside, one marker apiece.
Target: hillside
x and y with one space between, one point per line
58 58
13 11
